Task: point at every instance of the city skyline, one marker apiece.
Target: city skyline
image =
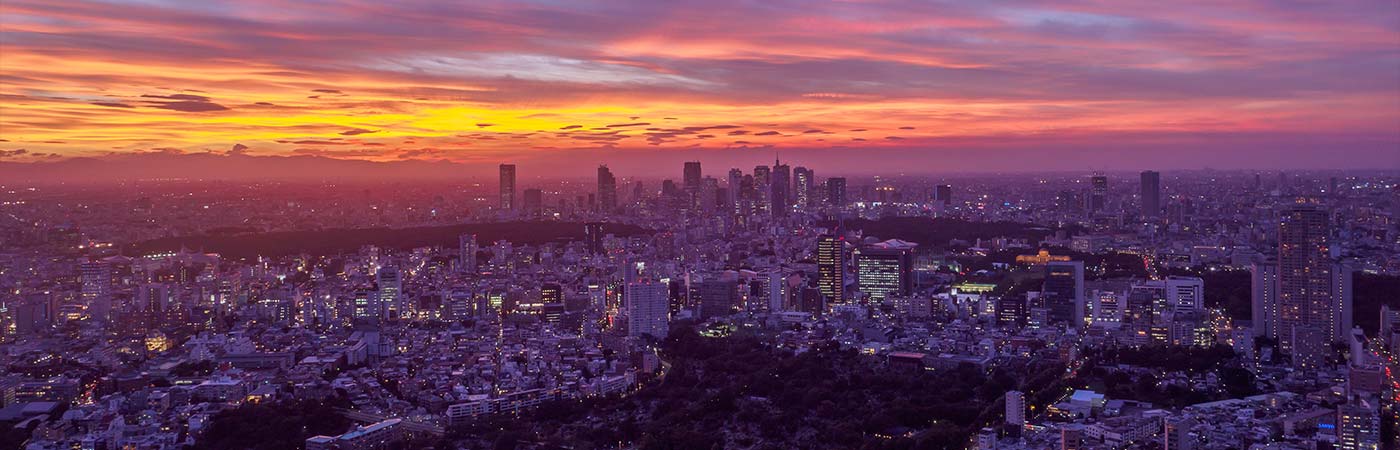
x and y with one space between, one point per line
926 87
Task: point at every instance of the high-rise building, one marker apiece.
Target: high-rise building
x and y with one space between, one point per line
466 257
831 267
802 182
885 269
96 277
943 194
1358 427
1264 298
1098 194
507 186
1185 294
607 190
647 308
836 191
1151 193
1313 290
593 237
1062 294
1015 409
534 201
708 198
780 186
719 296
690 182
735 189
390 292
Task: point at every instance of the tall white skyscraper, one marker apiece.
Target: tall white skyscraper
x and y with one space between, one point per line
647 309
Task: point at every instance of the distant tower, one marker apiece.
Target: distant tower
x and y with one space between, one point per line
1063 292
781 183
534 201
508 186
943 193
690 181
836 191
802 179
607 190
593 237
735 189
1151 194
390 285
467 247
1098 194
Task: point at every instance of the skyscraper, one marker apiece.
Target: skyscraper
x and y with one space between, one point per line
802 179
607 190
1313 291
96 277
1151 193
780 184
734 190
593 237
885 269
690 182
1264 298
831 267
1062 294
507 186
466 258
836 191
708 197
390 292
943 193
1098 194
647 308
1358 427
534 201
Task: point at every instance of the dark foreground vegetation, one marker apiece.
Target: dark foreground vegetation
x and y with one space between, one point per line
735 392
1229 289
937 232
337 241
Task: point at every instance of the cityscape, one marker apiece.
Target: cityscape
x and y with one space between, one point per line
666 225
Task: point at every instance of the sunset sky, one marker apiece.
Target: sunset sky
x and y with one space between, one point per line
549 80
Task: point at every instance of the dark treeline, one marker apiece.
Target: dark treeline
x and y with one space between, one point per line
936 232
337 241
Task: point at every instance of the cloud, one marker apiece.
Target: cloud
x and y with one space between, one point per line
13 153
238 149
113 104
184 103
327 91
768 133
357 131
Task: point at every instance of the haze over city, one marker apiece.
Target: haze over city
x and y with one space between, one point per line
661 225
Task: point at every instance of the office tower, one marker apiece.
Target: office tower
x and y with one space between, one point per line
781 183
593 237
1358 427
1313 291
647 308
885 269
1389 326
802 179
735 189
1015 409
534 201
96 278
690 182
1263 287
466 256
719 296
943 193
836 191
1184 294
762 189
1062 295
1176 434
366 306
1098 194
607 190
709 194
390 285
1151 193
831 267
507 186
